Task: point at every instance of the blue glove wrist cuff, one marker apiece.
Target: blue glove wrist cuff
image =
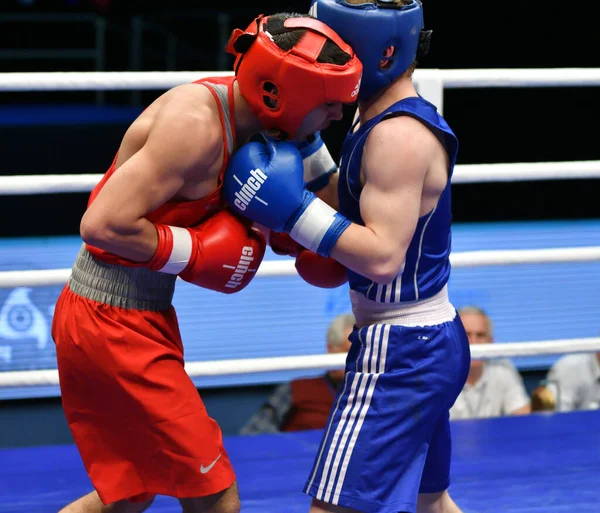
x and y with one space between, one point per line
316 225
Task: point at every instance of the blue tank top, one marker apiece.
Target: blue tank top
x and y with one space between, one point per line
427 264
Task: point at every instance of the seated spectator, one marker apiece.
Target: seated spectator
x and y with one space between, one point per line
305 404
494 388
573 383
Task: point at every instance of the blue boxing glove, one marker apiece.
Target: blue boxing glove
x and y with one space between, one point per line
264 182
318 162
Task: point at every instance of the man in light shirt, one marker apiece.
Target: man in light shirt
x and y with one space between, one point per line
494 388
574 382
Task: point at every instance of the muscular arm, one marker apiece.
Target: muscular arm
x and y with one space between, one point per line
395 164
181 143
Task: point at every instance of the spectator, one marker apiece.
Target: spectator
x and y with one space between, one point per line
494 388
573 383
305 404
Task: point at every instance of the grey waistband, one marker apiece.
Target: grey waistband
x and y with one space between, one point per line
135 288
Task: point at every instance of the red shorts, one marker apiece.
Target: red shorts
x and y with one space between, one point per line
136 417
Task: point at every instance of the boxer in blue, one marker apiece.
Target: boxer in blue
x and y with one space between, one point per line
387 445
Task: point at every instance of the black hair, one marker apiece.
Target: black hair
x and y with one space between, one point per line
286 38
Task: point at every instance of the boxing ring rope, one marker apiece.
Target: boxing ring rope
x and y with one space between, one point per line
463 173
146 80
269 269
431 83
323 361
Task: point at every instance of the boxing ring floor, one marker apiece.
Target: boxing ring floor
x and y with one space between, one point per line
538 463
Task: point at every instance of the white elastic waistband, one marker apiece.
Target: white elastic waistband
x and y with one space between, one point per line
425 312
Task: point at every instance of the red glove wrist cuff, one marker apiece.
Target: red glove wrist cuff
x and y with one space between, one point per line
173 251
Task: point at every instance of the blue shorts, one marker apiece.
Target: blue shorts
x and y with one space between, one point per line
388 434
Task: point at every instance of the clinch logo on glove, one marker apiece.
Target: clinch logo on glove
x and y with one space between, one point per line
248 191
242 268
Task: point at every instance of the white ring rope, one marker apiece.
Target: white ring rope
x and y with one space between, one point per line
532 77
270 268
323 361
525 171
143 80
463 173
100 80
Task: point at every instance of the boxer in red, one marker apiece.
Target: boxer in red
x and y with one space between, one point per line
137 419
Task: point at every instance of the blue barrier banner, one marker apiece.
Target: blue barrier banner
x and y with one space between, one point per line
284 316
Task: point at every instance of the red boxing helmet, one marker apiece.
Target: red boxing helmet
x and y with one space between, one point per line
283 86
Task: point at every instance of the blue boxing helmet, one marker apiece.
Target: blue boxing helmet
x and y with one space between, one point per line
370 28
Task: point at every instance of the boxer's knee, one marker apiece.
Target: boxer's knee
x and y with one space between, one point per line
91 503
439 502
137 504
227 501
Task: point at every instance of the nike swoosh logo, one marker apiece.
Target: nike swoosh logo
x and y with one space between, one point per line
204 469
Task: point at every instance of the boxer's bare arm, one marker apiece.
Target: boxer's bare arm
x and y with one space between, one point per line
401 184
183 143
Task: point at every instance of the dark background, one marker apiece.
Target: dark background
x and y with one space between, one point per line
493 125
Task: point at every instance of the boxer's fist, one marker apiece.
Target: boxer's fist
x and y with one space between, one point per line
283 244
221 254
265 183
323 272
320 271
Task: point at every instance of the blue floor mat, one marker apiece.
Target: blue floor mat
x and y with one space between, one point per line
537 463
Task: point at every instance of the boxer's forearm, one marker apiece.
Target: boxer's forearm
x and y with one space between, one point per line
136 241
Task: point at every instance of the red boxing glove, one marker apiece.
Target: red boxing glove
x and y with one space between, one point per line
315 269
282 244
320 271
221 254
